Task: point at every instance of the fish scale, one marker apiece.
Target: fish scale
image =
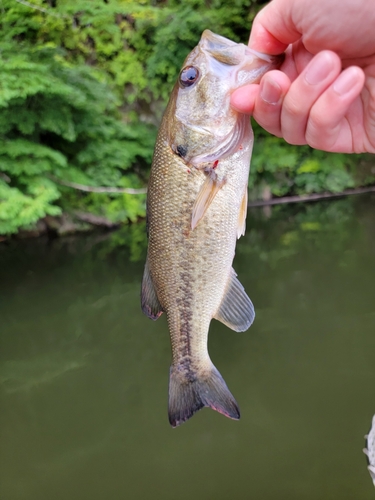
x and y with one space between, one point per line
187 276
196 208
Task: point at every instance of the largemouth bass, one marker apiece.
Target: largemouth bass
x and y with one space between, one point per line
196 209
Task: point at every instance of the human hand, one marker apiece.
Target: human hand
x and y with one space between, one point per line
311 100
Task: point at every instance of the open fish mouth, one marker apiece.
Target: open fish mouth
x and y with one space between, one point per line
276 60
231 53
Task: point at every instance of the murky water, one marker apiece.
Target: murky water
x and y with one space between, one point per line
84 375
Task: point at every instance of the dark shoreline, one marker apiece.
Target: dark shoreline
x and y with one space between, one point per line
82 222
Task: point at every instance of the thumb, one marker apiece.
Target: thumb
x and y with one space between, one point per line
273 28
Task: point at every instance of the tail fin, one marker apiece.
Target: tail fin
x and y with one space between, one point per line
187 395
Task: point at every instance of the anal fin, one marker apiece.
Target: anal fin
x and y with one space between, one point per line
207 193
149 300
236 309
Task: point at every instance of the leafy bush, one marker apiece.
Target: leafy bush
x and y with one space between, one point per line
83 85
59 122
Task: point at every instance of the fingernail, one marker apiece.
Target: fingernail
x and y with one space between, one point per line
345 81
319 68
270 91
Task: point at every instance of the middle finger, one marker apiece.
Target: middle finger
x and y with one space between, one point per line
304 91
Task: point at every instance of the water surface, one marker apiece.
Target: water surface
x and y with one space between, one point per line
84 375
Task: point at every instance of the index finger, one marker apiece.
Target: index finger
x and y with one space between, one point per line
273 28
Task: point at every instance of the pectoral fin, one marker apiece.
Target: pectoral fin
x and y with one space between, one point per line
207 193
236 309
241 228
149 300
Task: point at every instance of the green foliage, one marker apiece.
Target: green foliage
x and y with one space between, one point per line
59 121
189 20
83 85
23 208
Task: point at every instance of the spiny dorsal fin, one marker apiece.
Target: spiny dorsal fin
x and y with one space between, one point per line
236 309
241 228
149 300
207 193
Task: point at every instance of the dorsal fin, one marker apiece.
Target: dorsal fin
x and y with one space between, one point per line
236 309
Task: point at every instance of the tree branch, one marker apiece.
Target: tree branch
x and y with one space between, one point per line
5 177
41 9
95 220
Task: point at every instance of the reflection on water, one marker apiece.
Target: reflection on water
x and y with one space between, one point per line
84 375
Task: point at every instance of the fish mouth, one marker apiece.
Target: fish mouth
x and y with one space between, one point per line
231 53
276 60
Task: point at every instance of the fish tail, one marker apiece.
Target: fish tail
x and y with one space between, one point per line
189 392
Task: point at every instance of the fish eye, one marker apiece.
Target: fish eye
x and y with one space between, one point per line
188 76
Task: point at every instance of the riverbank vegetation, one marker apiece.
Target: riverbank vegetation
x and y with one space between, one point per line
82 91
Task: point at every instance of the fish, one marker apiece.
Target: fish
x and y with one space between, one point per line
370 450
196 210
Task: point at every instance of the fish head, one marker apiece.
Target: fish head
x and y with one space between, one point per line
202 126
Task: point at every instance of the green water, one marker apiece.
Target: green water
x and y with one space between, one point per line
84 375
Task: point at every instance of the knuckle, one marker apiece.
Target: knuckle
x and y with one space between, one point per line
320 120
296 141
321 136
293 107
269 120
